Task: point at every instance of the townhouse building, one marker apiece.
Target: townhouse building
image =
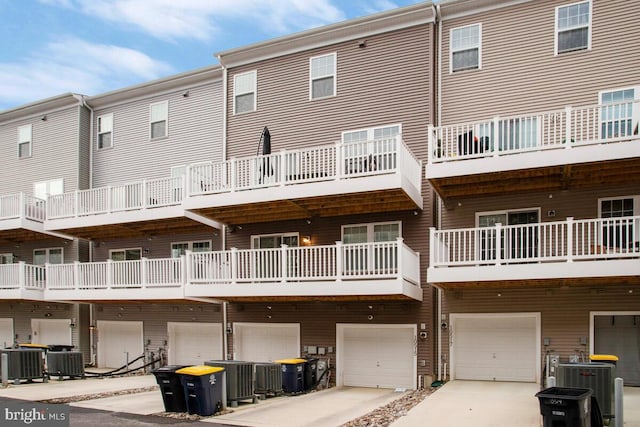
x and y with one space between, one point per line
44 151
535 160
439 191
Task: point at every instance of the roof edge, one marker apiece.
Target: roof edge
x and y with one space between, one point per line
41 107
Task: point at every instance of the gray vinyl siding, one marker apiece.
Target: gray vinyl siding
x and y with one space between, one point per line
387 82
54 152
576 204
194 135
23 251
156 316
84 149
564 311
520 73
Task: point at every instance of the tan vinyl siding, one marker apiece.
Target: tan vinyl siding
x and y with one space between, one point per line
54 152
520 73
194 135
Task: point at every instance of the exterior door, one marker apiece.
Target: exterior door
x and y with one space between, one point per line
360 257
620 335
6 332
518 238
119 342
51 331
267 264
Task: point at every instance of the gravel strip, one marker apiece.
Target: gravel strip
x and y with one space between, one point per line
81 397
384 416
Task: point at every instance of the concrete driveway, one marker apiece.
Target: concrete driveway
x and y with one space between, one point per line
477 404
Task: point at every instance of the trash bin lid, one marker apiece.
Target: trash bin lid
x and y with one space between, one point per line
199 370
28 345
603 357
290 361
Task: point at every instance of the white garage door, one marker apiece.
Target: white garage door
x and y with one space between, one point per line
194 343
51 331
119 342
376 355
6 332
495 347
266 342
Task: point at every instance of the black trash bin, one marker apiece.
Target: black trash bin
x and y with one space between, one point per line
310 373
202 388
565 407
171 388
292 375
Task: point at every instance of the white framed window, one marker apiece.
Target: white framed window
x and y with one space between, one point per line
126 254
573 27
245 95
24 141
52 187
371 232
620 227
158 119
48 255
518 238
370 134
619 114
105 131
466 48
362 254
180 248
322 76
7 258
369 150
268 241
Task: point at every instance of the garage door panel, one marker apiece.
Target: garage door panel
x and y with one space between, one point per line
378 356
51 331
119 342
266 342
194 343
495 348
620 335
6 332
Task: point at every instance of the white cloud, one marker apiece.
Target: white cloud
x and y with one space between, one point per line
74 65
202 19
379 6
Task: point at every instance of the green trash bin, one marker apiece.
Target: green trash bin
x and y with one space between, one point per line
202 388
565 407
292 374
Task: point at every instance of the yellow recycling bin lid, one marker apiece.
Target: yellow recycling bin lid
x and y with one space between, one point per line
603 357
290 361
27 345
199 370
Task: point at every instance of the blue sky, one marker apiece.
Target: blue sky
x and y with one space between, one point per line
50 47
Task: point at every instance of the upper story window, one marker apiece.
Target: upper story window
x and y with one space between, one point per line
619 115
372 232
244 92
181 248
158 118
370 134
43 189
269 241
322 80
620 225
129 254
24 141
105 131
49 255
573 27
466 48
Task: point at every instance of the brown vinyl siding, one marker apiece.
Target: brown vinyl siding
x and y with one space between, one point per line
520 73
194 135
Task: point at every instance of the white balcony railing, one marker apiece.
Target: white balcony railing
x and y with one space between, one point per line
287 167
561 241
562 129
335 263
21 205
143 273
22 276
146 194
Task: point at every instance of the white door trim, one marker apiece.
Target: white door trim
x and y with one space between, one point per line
340 328
592 329
452 322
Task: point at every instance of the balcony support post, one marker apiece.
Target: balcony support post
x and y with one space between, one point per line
76 203
282 158
339 162
21 274
498 243
76 275
495 145
400 260
234 174
109 273
145 199
570 239
339 261
144 264
234 265
109 198
21 207
283 263
183 269
567 116
188 271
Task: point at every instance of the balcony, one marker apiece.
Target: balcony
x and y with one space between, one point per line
135 209
385 270
145 279
22 281
571 252
578 147
340 179
21 217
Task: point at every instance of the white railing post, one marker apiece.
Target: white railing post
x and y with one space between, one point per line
339 163
76 203
339 261
498 243
145 199
109 273
283 167
109 198
183 270
234 265
432 246
21 208
234 174
76 274
430 144
569 239
400 257
21 274
495 146
283 263
189 266
144 265
567 130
